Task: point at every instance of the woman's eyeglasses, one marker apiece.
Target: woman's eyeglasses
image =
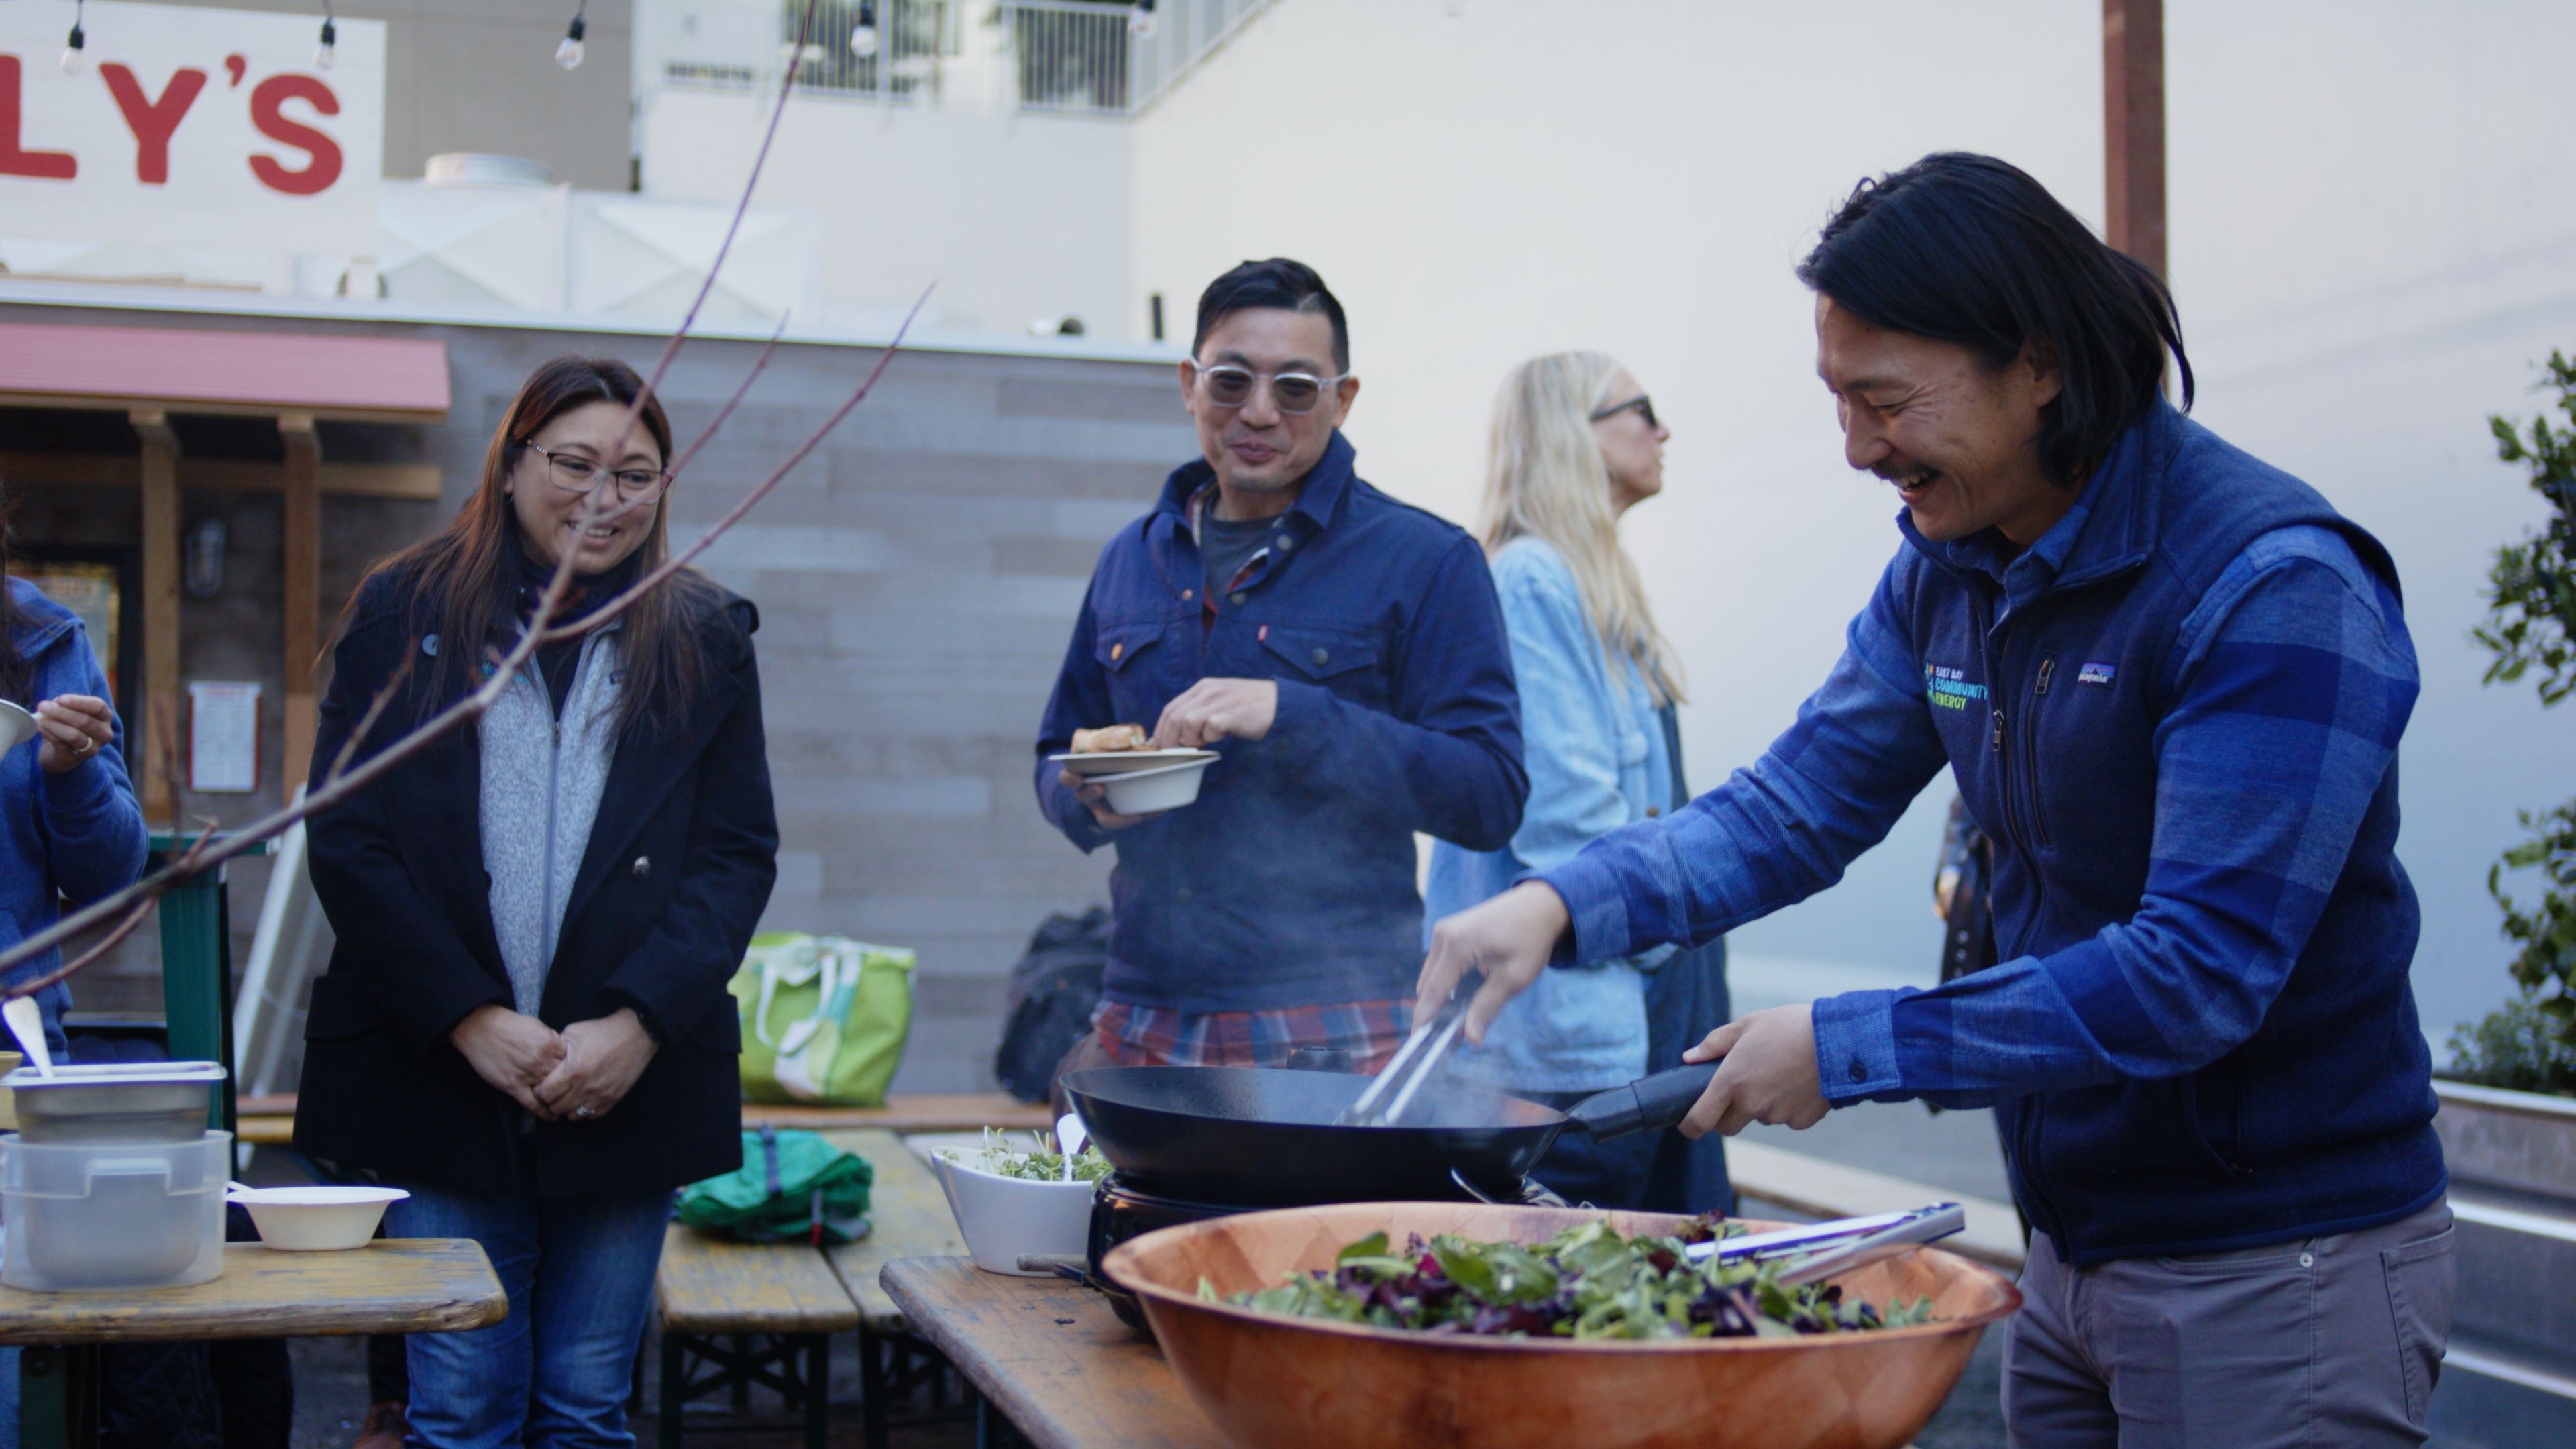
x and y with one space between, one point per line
575 474
1290 392
1644 405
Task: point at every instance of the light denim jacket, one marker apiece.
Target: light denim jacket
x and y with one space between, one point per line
1597 761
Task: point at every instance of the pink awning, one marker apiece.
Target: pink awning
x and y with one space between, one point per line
46 365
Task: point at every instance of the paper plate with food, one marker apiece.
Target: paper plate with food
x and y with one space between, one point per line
1121 749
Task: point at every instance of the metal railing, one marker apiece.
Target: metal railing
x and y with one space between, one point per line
1188 32
1077 57
1069 56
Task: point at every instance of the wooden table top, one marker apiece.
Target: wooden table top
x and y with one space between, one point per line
908 1217
711 1283
395 1285
1051 1357
270 1121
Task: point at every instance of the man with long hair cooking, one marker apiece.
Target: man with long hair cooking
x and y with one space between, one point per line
2170 681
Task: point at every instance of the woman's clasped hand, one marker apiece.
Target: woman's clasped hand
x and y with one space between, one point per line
71 728
578 1074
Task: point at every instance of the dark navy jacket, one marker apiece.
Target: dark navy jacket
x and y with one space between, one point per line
2177 714
1291 881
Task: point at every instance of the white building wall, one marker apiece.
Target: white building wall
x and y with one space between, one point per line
2374 234
1015 217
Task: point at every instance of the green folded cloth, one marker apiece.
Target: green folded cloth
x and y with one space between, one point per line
791 1185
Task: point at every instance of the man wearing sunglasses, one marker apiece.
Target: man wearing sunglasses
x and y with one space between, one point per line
1345 655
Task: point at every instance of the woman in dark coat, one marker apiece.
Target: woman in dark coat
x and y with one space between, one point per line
525 1020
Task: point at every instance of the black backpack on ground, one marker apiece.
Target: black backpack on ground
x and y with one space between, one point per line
1054 989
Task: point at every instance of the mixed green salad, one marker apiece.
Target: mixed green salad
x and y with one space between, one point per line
1586 1282
999 1157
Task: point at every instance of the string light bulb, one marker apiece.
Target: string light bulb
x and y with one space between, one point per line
329 49
569 53
863 36
72 52
1140 21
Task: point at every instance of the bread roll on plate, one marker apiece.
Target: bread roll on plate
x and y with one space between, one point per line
1110 739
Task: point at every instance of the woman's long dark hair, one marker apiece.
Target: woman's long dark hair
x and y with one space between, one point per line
469 571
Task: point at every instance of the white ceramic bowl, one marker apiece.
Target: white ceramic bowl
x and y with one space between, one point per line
1146 791
1003 1218
316 1219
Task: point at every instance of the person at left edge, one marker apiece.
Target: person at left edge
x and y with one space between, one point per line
525 1020
72 829
1344 653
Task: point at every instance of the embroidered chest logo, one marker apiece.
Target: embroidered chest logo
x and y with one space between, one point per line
1947 688
2094 674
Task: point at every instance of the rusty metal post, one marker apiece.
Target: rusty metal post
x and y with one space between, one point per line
156 703
303 557
2133 127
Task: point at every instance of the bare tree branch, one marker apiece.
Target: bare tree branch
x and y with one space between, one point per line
733 515
367 722
142 912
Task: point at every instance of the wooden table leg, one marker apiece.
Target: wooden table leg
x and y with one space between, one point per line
994 1429
675 1389
872 1386
58 1397
818 1389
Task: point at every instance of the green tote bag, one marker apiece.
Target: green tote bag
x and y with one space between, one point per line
824 1018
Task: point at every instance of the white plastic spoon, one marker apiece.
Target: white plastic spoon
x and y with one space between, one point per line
1070 1138
28 1026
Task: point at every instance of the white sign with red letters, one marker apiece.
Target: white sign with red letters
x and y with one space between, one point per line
193 128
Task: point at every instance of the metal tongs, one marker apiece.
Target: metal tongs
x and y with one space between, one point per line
1414 1063
1825 1249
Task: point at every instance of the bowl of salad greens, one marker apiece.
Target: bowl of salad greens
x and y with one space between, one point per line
1013 1199
1372 1324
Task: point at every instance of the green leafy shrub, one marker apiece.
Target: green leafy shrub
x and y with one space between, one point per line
2516 1047
2530 628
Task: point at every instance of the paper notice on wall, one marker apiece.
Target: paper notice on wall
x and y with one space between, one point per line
223 736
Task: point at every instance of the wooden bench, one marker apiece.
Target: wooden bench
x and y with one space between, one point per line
909 1218
735 1314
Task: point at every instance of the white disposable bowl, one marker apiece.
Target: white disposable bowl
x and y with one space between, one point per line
1003 1218
1128 762
1146 791
16 726
316 1219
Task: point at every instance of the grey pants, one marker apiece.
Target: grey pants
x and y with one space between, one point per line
2332 1342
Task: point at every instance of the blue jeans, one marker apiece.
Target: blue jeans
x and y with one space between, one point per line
555 1373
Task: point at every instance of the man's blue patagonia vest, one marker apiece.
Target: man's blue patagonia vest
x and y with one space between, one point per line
2051 709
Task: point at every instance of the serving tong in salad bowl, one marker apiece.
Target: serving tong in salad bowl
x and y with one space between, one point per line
1817 1251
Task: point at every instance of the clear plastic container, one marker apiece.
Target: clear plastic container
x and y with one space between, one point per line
117 1215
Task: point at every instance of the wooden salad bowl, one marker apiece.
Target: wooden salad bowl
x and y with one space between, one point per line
1270 1380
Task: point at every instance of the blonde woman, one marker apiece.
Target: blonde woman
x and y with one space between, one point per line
1575 445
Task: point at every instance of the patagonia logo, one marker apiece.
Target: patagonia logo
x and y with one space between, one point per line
1947 688
2094 674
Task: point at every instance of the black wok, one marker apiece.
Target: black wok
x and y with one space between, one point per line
1262 1138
